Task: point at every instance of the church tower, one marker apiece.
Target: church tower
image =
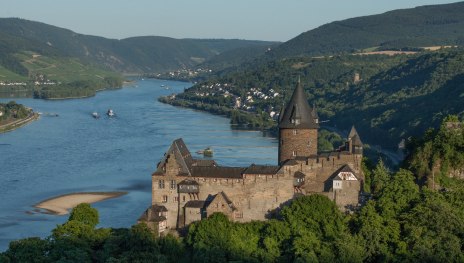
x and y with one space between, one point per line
298 125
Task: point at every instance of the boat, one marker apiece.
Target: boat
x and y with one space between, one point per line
206 152
95 115
110 113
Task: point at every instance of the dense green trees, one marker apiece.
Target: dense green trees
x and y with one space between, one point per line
12 111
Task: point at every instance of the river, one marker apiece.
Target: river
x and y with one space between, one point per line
77 153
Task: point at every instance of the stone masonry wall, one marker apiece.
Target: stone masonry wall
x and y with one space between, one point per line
302 142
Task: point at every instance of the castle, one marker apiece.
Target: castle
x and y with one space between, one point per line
185 189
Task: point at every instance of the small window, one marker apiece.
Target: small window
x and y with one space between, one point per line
294 153
310 142
183 198
173 184
165 198
161 184
295 132
176 199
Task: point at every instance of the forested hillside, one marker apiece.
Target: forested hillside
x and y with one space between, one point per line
433 25
388 98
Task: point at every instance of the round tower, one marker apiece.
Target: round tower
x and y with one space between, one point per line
298 125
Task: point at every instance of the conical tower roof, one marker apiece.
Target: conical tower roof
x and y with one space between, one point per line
298 114
354 137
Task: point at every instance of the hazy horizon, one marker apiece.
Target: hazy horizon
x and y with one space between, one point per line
269 20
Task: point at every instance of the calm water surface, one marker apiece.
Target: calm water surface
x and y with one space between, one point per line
75 152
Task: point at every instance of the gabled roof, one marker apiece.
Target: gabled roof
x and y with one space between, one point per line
152 214
299 174
344 169
182 156
223 196
298 114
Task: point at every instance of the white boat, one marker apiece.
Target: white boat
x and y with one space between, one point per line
95 115
110 113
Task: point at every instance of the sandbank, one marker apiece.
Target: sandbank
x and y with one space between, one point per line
61 205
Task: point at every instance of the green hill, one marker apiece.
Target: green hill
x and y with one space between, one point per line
433 25
132 55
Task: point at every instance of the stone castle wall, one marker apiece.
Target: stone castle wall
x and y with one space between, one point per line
254 196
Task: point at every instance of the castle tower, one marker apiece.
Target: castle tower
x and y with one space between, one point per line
298 125
355 145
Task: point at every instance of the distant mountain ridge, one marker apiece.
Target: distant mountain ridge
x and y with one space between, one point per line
421 26
136 54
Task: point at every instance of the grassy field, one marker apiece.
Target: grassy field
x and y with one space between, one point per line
7 75
61 69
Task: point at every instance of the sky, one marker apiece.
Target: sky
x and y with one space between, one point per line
274 20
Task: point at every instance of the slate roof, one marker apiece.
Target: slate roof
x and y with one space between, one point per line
218 172
199 162
299 175
188 182
181 154
195 204
152 214
354 137
298 114
261 169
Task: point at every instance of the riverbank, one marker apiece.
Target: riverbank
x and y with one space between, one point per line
19 123
61 205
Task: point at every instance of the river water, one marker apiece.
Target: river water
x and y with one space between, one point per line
77 153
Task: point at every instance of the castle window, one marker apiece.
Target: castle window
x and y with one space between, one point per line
183 198
161 184
293 153
173 184
238 214
282 142
176 199
295 132
310 142
165 198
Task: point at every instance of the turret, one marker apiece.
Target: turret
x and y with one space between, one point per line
298 125
355 144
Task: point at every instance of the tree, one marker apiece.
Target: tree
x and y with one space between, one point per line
380 237
210 239
86 214
315 222
434 230
380 177
31 249
398 195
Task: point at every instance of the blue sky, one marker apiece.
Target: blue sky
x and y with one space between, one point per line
276 20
